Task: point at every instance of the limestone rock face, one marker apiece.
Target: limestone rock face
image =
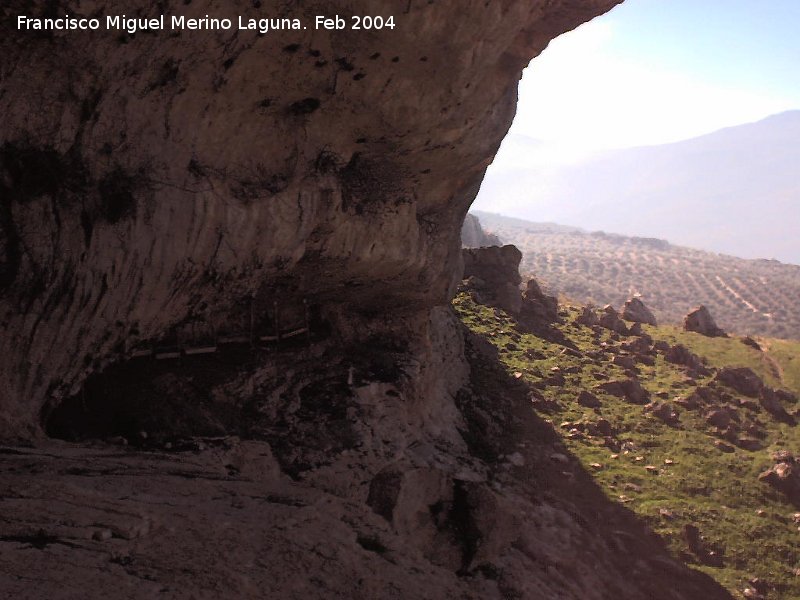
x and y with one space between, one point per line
700 321
162 189
153 180
474 236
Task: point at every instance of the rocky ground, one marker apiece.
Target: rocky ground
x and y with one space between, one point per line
355 492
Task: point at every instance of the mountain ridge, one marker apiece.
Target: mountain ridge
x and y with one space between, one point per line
732 191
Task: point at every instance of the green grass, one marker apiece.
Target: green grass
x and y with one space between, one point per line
717 491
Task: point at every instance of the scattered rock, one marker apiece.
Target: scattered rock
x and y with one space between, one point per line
700 321
602 427
588 400
689 403
588 317
636 329
636 311
661 346
664 411
630 389
641 344
748 341
610 319
681 355
749 444
626 362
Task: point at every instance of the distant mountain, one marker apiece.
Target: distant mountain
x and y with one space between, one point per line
758 297
735 191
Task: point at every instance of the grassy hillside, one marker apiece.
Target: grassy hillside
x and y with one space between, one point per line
756 297
674 473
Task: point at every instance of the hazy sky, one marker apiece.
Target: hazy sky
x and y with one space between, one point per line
655 71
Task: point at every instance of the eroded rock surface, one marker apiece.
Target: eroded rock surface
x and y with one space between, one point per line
292 201
157 180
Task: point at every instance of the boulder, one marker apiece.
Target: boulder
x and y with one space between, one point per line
636 311
641 344
741 379
771 402
610 319
538 307
498 269
626 362
700 321
629 389
681 355
588 317
663 410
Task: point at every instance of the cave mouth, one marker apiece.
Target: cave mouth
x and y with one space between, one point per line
296 394
149 402
172 387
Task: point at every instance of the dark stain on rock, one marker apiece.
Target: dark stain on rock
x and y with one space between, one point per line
305 106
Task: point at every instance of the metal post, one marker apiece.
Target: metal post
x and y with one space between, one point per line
252 320
277 325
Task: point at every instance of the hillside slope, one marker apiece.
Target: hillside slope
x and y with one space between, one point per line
733 191
670 430
746 296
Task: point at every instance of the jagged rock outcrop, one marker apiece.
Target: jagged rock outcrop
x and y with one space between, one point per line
493 273
538 308
610 319
748 383
700 321
474 236
635 310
